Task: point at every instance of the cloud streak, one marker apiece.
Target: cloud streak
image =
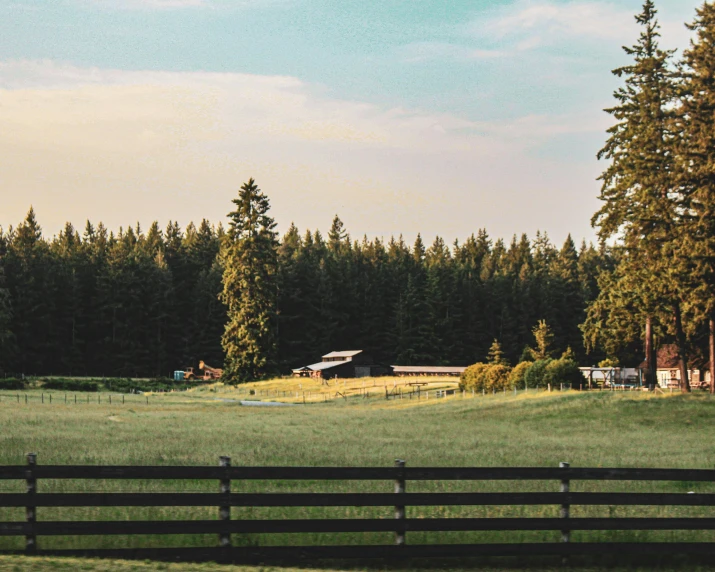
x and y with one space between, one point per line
109 144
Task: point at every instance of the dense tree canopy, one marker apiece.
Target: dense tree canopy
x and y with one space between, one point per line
144 303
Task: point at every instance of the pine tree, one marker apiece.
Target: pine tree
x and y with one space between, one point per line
6 335
250 288
496 355
696 157
640 206
544 341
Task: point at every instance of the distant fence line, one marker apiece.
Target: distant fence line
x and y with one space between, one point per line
400 525
394 392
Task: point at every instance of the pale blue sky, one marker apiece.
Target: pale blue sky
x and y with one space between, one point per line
402 116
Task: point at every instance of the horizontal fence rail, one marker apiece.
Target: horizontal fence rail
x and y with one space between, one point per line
356 473
224 526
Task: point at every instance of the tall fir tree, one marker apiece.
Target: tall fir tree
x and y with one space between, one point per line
696 157
640 207
250 287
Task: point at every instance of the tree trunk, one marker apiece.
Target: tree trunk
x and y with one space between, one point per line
680 339
650 357
712 354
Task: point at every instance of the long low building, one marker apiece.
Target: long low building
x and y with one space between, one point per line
413 370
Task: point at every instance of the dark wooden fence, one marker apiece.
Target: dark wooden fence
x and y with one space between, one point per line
224 526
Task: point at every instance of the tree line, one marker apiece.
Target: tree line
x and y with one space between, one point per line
143 303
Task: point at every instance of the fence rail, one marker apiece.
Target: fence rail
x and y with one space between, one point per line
400 525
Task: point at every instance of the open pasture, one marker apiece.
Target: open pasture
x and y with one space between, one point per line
194 428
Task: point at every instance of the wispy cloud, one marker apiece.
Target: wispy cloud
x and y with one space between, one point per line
179 4
548 21
122 142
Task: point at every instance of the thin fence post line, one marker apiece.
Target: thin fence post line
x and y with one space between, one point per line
75 398
110 399
400 509
43 397
565 508
26 399
224 511
30 508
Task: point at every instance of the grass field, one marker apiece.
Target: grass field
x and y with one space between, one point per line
196 427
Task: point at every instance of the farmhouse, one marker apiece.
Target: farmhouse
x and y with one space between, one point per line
351 363
413 370
668 368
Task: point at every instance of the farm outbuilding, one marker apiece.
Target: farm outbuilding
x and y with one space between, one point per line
668 368
342 364
432 370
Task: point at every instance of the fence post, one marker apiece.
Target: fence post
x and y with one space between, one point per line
224 511
30 509
400 509
565 508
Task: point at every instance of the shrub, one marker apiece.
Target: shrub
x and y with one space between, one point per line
473 377
70 384
496 377
485 376
516 378
535 375
137 385
12 383
564 371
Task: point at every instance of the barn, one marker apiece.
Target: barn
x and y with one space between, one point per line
431 370
342 364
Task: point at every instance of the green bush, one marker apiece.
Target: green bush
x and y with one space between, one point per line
143 385
516 378
70 384
485 376
12 383
535 375
496 377
473 377
564 371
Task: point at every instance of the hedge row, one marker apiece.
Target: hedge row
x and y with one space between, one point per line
497 377
12 383
70 384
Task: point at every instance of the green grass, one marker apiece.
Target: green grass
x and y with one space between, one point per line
195 428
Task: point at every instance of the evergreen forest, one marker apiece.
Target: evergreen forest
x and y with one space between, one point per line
143 303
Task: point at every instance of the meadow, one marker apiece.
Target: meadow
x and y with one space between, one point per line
600 429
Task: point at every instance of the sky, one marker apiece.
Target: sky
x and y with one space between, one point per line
401 116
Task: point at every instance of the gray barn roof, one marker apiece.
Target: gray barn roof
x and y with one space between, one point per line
345 354
324 365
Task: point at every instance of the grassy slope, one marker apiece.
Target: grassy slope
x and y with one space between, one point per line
598 429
